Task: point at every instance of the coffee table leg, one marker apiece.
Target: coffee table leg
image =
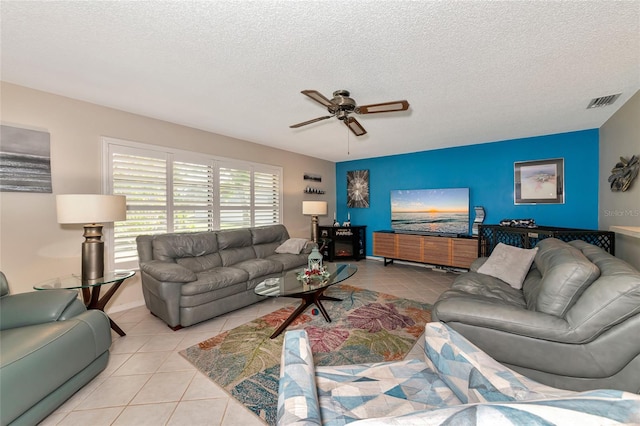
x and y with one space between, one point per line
322 310
307 300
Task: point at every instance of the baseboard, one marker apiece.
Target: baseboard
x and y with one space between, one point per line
443 269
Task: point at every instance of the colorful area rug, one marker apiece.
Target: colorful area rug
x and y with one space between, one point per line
366 326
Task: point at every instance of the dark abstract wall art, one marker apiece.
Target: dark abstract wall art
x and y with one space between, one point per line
358 188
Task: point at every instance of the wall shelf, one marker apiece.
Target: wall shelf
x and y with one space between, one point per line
311 190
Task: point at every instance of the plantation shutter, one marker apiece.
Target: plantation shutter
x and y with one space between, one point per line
266 198
143 179
235 198
192 197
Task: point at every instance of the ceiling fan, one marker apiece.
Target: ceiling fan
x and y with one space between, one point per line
341 105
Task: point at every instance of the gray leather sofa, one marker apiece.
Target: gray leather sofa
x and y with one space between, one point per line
50 347
575 324
192 277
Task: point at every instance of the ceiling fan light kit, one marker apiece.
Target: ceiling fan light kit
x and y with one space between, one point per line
341 105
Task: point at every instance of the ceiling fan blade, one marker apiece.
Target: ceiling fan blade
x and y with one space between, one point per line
304 123
383 107
354 126
318 97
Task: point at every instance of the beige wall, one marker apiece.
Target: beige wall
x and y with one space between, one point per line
620 137
34 247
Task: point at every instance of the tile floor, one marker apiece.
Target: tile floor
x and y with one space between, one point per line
147 382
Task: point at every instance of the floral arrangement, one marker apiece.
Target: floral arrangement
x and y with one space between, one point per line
313 274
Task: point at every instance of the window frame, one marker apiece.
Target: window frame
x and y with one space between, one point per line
112 145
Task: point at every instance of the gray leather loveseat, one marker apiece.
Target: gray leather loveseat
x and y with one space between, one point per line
575 324
192 277
50 347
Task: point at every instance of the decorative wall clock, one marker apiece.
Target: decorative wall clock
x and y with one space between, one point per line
358 188
624 172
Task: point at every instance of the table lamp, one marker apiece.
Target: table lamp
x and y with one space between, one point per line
314 208
92 210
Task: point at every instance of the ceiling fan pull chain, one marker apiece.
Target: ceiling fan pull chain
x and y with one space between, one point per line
348 142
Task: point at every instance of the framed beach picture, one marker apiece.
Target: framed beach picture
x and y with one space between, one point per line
539 182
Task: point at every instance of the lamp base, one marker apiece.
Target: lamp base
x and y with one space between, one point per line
92 253
314 228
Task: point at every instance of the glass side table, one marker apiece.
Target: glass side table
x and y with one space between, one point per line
91 289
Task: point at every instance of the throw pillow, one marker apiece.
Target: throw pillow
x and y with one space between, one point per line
292 246
510 264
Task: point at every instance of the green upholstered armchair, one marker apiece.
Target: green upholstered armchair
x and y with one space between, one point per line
50 347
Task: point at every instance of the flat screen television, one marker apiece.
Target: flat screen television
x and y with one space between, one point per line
430 211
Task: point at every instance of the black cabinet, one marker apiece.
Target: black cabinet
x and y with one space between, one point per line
343 242
491 235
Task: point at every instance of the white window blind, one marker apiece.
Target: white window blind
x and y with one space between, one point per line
235 198
143 180
266 189
171 190
192 197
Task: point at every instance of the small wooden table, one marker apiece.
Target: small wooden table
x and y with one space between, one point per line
91 289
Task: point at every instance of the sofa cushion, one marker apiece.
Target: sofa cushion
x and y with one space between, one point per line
269 234
201 263
235 246
267 238
484 287
231 257
259 267
565 273
202 299
508 263
168 247
289 261
292 246
234 238
214 279
608 264
168 271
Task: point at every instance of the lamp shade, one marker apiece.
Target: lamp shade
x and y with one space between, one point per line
91 208
314 207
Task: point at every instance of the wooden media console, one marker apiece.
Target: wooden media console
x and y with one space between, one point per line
456 252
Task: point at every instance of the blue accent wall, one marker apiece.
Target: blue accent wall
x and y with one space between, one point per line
487 170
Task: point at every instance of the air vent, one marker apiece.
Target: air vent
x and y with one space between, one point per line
603 101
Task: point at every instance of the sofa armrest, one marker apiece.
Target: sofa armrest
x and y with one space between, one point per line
37 307
508 318
297 396
477 264
167 271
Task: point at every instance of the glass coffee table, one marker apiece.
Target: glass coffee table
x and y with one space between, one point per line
91 289
311 292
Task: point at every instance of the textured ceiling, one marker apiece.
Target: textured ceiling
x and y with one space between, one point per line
472 71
